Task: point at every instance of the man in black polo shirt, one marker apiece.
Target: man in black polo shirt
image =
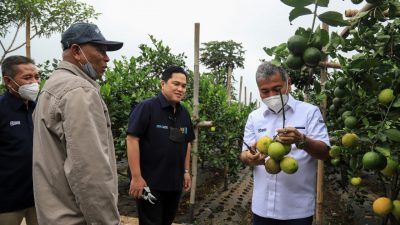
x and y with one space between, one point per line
21 79
158 142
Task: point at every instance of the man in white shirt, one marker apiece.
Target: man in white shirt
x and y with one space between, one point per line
284 199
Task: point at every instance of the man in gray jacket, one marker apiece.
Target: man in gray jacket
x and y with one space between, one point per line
74 167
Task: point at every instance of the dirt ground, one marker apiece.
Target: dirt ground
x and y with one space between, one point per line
216 206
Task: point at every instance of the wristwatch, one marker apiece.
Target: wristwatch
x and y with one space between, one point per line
302 143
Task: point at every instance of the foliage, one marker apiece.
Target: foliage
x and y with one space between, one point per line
124 86
224 145
46 16
353 89
158 57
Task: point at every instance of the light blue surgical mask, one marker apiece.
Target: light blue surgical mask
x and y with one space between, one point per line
88 67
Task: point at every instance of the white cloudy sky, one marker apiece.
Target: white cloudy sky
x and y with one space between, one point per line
254 23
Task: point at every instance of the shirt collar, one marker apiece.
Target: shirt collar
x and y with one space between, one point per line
17 103
290 105
77 71
164 102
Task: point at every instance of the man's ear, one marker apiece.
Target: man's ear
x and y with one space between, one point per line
6 80
162 83
76 52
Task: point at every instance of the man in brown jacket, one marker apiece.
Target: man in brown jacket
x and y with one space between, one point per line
74 166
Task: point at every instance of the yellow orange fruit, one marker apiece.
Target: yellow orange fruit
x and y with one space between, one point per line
349 140
382 206
263 144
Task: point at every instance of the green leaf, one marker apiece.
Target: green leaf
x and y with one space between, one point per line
384 151
333 18
323 3
297 12
396 104
317 87
393 134
297 3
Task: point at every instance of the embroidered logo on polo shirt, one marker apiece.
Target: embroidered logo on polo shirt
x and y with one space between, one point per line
162 126
262 130
13 123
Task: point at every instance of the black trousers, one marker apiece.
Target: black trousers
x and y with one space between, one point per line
162 212
258 220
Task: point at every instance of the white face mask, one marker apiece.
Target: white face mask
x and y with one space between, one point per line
274 103
27 91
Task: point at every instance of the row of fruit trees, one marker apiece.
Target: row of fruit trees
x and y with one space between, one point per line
361 92
360 97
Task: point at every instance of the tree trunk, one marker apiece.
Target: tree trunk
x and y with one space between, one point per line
28 36
229 84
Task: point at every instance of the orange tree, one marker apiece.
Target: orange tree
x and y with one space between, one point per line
363 95
137 78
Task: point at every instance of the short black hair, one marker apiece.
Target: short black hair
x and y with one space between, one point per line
167 74
8 67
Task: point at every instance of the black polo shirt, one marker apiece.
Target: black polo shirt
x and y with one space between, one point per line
162 160
16 139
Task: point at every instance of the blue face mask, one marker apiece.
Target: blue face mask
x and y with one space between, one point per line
88 67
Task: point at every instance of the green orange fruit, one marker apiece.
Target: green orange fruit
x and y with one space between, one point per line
289 165
374 161
276 151
386 96
294 62
312 56
297 44
350 122
272 166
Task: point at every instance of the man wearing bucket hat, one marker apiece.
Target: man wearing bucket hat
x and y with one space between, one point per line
74 166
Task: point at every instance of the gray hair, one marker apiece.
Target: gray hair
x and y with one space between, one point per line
267 69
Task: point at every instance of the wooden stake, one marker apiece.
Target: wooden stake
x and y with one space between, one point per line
194 150
240 92
319 217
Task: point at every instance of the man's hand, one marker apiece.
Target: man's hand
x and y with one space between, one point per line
187 181
252 160
289 135
136 187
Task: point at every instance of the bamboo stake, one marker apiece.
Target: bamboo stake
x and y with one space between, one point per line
345 31
320 172
194 149
240 92
245 95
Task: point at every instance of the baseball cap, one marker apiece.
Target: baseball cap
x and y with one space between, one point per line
81 33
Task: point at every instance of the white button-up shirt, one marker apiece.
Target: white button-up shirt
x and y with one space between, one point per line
286 196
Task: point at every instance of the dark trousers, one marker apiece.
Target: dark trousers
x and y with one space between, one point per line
258 220
162 212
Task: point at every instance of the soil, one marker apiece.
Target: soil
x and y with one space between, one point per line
216 206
